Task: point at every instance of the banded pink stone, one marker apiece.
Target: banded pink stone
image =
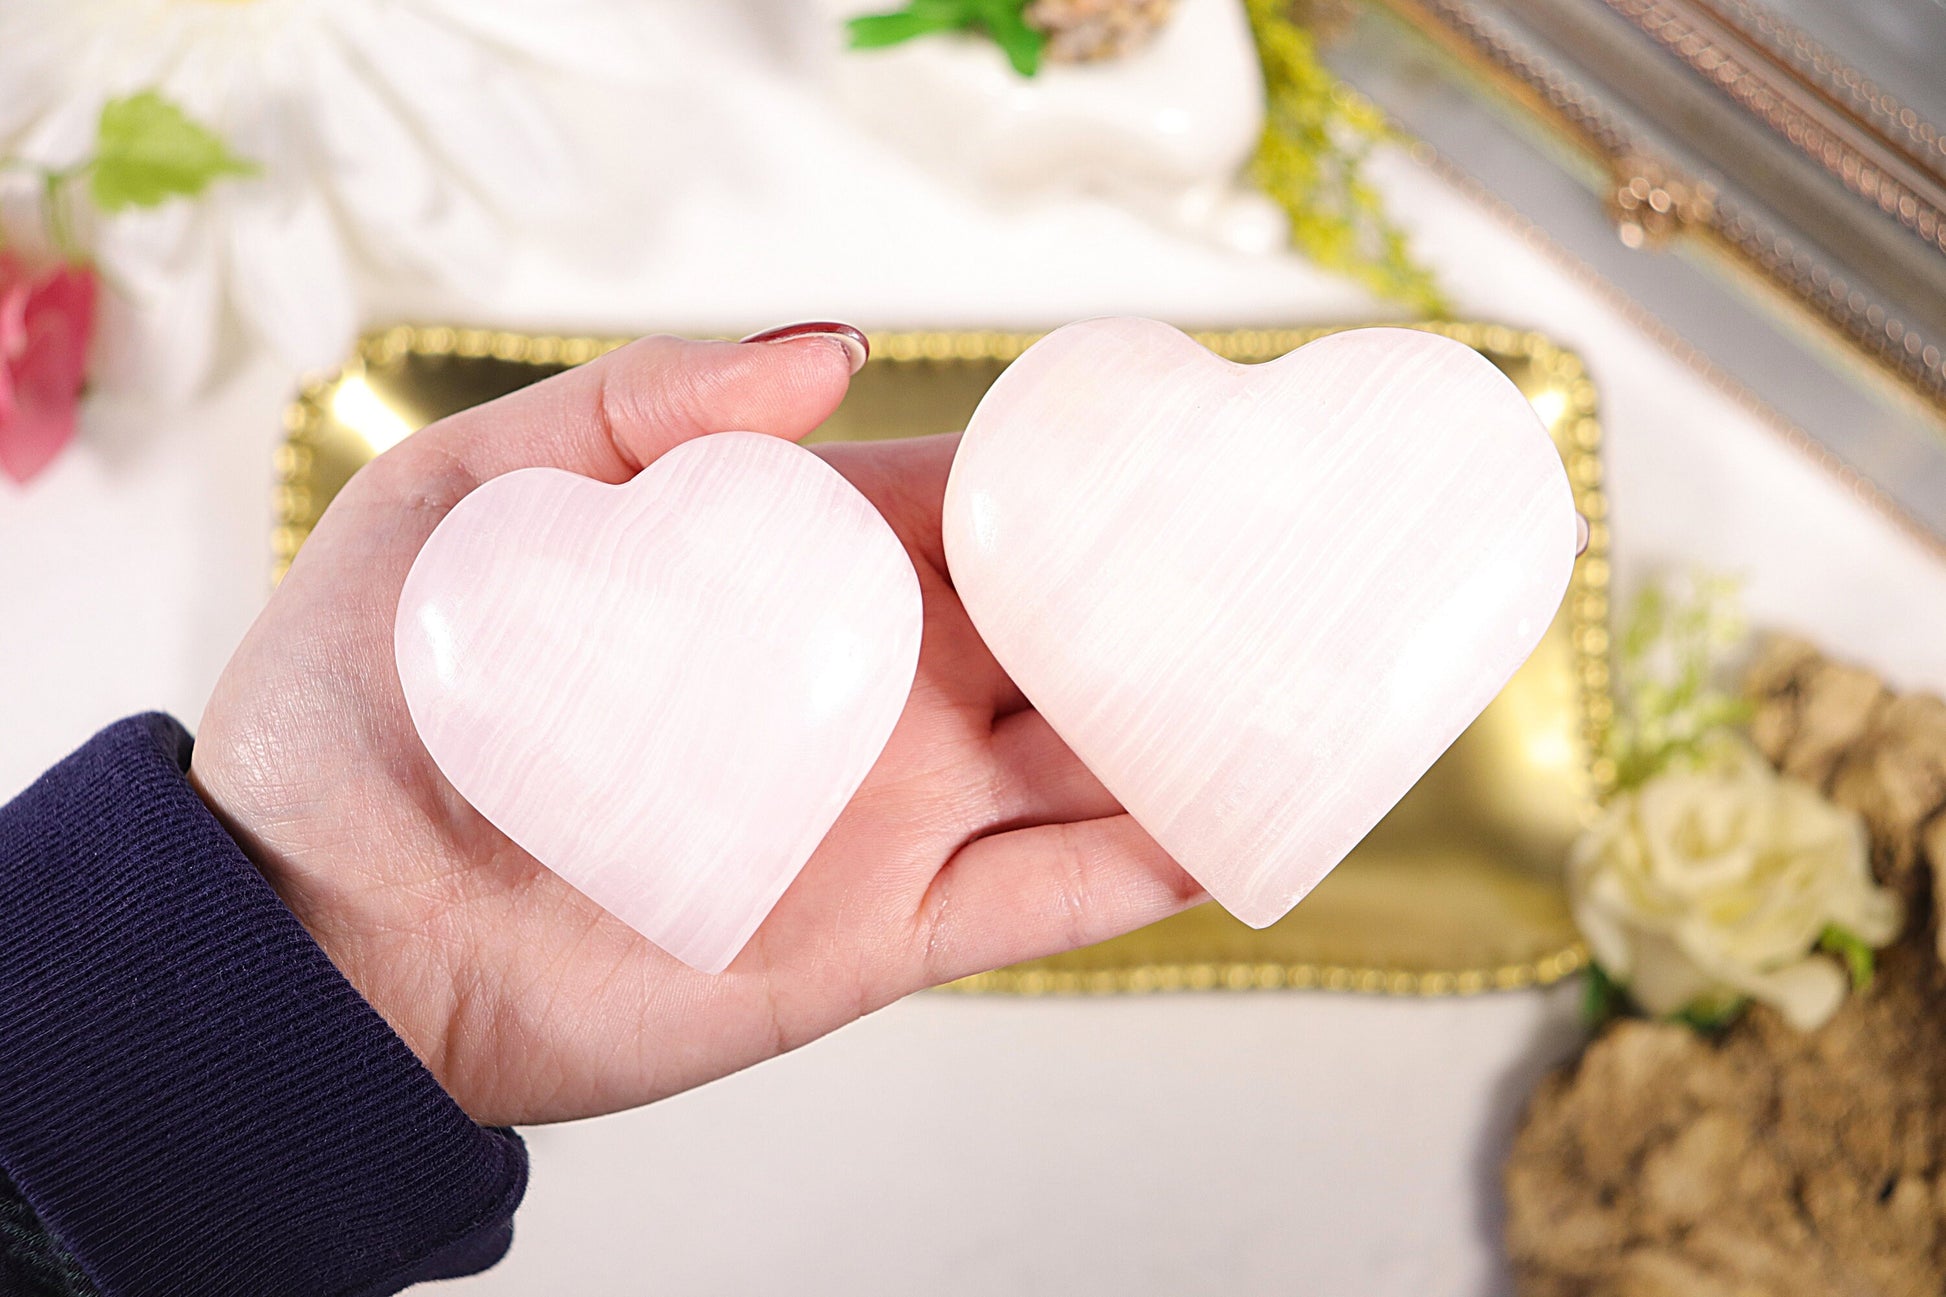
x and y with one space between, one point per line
665 691
1258 601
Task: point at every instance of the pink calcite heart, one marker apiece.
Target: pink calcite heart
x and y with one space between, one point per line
1258 601
667 690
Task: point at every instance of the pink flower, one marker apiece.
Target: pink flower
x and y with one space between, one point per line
47 318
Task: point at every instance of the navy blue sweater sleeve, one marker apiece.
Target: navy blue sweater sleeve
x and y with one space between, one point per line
193 1100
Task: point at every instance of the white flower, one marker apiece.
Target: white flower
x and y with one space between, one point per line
1717 881
394 136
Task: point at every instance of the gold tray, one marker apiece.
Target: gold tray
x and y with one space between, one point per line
1456 891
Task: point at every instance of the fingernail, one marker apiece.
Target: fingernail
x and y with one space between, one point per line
855 345
1580 535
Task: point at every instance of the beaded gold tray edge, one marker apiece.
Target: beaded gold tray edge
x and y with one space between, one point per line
1571 414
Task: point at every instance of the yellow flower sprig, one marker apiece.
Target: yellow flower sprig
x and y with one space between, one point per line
1311 162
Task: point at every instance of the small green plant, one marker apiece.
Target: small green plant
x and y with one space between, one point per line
1002 20
1310 159
1666 661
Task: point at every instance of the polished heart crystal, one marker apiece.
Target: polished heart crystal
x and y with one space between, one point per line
665 691
1257 601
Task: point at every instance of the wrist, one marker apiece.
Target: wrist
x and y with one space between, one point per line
197 1098
282 845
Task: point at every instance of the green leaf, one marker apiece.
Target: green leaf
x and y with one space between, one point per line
148 151
1022 44
921 18
1710 1016
1000 19
1602 997
1859 960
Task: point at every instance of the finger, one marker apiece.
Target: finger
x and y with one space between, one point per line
1040 780
906 481
955 664
605 419
1041 891
610 418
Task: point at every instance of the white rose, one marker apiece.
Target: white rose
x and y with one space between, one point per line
1717 880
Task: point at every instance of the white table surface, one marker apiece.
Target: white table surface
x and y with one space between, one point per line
1237 1144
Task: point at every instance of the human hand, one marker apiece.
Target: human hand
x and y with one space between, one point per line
977 840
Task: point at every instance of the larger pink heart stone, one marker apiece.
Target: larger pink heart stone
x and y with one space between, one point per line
1258 601
665 691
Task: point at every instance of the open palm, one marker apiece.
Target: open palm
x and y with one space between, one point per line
978 839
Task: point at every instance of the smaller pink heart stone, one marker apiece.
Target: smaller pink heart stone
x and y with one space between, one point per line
665 691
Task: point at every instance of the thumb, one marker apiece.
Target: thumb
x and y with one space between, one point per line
612 417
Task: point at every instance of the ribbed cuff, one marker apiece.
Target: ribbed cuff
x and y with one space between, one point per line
192 1098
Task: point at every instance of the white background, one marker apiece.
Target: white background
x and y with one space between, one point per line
1237 1144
